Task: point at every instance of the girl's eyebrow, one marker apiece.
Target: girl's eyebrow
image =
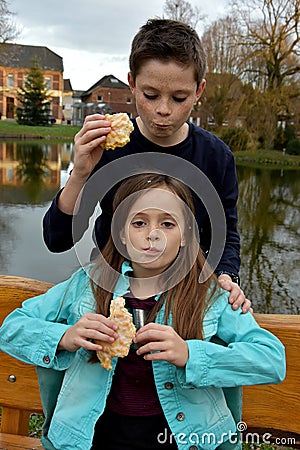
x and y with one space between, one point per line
163 214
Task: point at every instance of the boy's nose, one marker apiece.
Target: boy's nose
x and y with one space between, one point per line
163 108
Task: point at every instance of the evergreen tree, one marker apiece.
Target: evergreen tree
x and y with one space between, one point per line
34 99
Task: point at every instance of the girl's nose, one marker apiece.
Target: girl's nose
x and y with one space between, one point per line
154 235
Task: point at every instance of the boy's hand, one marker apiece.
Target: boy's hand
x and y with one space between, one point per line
237 297
166 344
87 149
89 326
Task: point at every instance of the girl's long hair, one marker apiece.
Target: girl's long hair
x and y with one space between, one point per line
186 300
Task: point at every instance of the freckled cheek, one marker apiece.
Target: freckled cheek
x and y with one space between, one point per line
136 238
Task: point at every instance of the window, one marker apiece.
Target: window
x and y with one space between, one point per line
128 100
100 98
47 83
56 82
10 80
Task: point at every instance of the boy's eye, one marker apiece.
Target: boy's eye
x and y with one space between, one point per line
150 96
179 99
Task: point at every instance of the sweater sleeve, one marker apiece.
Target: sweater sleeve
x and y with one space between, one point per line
230 260
251 355
57 228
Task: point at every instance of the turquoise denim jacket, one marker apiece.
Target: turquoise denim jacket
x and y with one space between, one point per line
201 402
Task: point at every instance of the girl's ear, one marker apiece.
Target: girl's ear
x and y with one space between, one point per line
182 243
122 237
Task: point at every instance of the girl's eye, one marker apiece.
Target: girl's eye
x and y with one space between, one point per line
179 99
138 223
149 96
168 224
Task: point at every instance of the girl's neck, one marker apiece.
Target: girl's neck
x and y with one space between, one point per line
143 288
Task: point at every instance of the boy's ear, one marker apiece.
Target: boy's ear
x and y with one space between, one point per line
131 81
200 89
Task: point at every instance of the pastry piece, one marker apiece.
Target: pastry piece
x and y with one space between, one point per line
121 127
126 332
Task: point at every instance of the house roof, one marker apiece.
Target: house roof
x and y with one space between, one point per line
108 81
23 56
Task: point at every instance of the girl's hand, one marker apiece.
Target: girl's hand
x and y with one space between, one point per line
89 326
166 344
237 297
87 149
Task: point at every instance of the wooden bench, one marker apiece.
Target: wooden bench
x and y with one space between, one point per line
19 392
272 409
275 409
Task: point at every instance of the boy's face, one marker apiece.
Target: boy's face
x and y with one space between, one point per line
165 93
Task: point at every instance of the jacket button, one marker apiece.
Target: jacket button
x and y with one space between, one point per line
180 416
193 447
46 359
169 385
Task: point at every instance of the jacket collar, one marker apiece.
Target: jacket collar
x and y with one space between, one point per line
123 284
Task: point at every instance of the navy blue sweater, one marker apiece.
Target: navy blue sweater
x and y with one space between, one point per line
201 148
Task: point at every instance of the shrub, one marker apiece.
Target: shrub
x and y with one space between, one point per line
236 138
293 147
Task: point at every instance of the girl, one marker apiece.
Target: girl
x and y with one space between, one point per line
169 392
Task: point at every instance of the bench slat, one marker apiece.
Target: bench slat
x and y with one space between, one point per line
12 442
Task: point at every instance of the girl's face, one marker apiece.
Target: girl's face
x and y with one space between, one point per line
154 231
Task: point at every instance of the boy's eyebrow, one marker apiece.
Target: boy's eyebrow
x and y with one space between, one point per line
178 91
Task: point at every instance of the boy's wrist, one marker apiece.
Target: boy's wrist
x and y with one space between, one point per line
233 276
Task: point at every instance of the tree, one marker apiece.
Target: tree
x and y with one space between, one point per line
8 30
183 11
259 42
34 99
270 38
219 41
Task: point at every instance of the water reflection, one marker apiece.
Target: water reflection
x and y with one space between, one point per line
30 176
30 172
269 223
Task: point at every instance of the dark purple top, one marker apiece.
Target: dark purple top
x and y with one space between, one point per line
133 391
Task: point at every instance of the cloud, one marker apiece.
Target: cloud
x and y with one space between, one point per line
92 36
88 25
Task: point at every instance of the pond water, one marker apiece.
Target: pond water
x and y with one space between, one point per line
269 223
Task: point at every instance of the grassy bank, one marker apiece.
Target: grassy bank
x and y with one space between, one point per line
270 158
11 130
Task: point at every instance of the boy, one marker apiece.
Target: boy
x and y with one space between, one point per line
167 67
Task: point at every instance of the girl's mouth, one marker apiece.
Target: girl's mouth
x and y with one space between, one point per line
152 250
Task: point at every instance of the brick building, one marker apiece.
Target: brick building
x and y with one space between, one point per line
109 92
15 62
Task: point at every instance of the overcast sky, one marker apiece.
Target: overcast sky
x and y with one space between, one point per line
92 36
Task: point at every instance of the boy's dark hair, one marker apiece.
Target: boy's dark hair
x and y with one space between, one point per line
167 40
